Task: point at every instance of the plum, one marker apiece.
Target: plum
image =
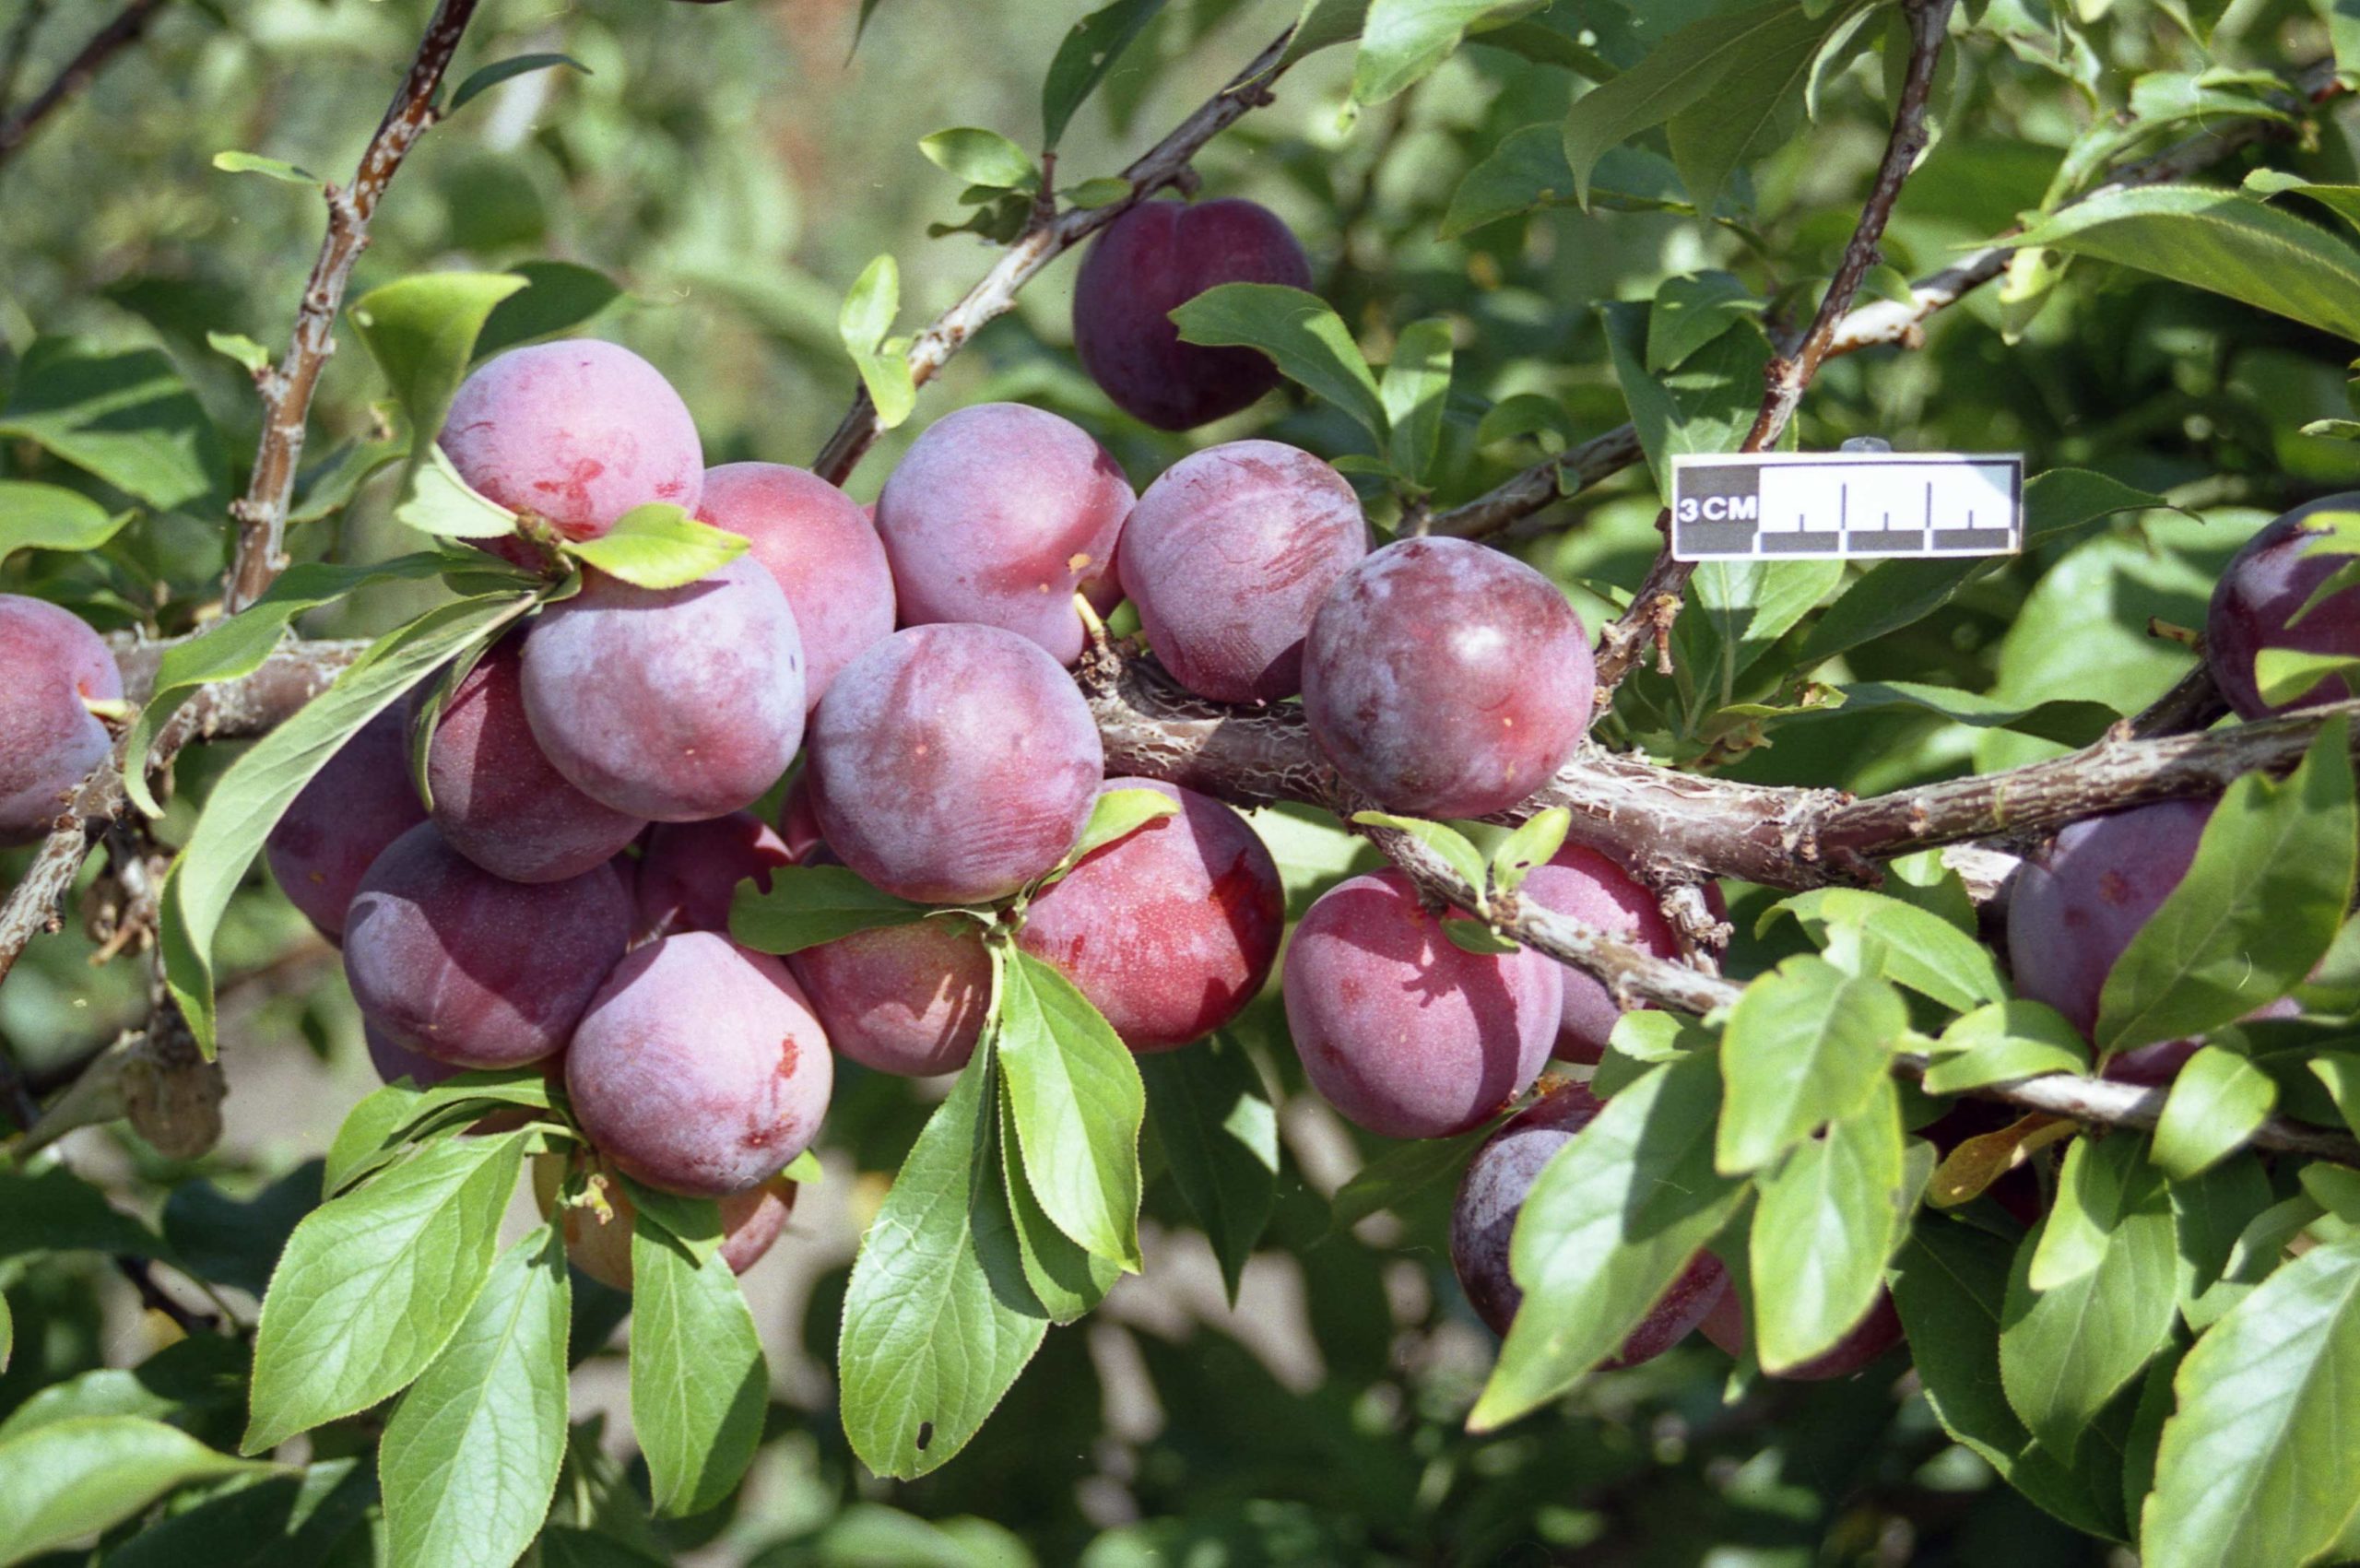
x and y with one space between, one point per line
1149 263
1865 1343
1590 887
1491 1196
2073 909
358 803
997 515
674 704
813 538
2261 588
1228 556
578 432
600 1246
453 962
395 1061
690 871
699 1067
1403 1033
1172 929
49 741
903 999
953 764
1446 680
498 799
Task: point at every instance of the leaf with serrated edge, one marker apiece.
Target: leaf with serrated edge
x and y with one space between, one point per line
1079 1103
1532 844
2218 1100
1302 335
699 1386
807 905
469 1459
1085 56
1827 1222
373 1284
1118 813
1805 1043
71 1479
1440 837
1219 1135
2001 1043
659 546
1922 951
1067 1282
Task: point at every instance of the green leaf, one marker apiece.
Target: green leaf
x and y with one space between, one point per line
1079 1103
937 1320
558 296
1829 1220
1444 840
1117 814
1895 593
1690 311
693 1223
1806 1043
1531 845
51 517
372 1285
810 905
980 158
1099 192
422 331
498 71
55 1210
221 1239
1304 337
1403 41
1745 70
254 163
658 544
1542 43
1402 1173
2218 241
699 1386
1614 1220
1706 405
1415 390
2257 1464
435 500
1219 1135
469 1459
365 1140
2285 674
1067 1282
2218 1100
2004 1043
285 1519
238 346
1085 56
1949 1284
188 1383
2211 1215
2260 905
863 320
248 799
2066 721
1922 951
127 417
73 1478
2091 1299
1528 171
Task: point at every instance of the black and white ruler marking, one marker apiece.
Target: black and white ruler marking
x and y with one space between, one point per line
1845 506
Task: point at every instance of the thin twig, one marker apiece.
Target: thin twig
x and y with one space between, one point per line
76 74
261 512
1046 240
1880 322
1647 623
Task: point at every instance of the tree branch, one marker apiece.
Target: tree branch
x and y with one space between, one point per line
1878 323
1047 238
286 389
1647 623
77 73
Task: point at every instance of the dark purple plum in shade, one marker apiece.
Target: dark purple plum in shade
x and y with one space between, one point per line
2075 906
903 999
1146 264
600 1245
1444 679
1862 1346
997 515
498 800
688 872
673 704
1491 1196
1170 930
953 764
353 808
395 1061
49 741
699 1067
1403 1033
1228 556
1591 888
456 963
2261 588
815 540
579 431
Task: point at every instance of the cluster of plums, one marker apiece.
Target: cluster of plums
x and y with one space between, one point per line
565 901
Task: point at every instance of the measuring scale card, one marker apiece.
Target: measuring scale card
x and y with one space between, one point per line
1846 505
